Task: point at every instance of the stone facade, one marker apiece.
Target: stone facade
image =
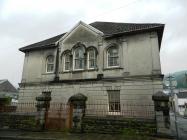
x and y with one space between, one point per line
96 91
18 121
137 76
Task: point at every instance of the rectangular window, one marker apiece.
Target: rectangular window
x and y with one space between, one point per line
114 100
50 67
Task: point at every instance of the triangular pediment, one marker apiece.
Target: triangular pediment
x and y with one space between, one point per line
81 32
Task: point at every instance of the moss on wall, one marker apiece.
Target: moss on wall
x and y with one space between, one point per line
14 121
119 125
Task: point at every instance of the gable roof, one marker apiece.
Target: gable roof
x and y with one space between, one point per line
110 29
2 81
47 43
6 86
80 23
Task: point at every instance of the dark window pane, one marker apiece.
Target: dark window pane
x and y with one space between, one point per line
114 100
50 67
79 58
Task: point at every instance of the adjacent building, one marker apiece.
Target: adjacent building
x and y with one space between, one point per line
178 82
8 90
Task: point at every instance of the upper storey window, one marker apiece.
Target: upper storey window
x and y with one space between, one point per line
50 64
67 62
113 56
79 58
91 59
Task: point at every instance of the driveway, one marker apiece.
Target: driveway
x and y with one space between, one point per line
52 135
182 126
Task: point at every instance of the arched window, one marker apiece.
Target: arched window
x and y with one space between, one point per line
113 56
67 62
50 64
79 58
91 59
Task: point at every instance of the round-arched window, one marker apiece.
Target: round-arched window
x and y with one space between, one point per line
91 58
50 64
113 56
67 62
79 59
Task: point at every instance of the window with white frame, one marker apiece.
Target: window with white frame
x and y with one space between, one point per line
91 59
114 100
67 62
113 56
79 58
50 64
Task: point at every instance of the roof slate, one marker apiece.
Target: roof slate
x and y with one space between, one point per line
42 44
6 86
3 80
108 28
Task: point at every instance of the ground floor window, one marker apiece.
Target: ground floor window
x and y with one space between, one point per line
114 100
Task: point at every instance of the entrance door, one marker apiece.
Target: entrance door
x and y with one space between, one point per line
78 103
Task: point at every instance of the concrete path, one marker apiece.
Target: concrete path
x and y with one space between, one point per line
51 135
181 125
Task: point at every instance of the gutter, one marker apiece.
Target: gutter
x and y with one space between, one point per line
53 45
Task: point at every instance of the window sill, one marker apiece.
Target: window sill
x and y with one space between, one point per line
85 70
112 68
114 113
96 69
65 72
48 73
77 71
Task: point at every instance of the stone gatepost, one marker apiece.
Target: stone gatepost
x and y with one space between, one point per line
78 104
43 104
161 103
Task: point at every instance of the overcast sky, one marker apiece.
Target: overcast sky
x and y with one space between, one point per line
23 22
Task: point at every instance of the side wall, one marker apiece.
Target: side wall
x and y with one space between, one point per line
34 69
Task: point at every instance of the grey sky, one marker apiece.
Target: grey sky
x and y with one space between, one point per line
23 22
